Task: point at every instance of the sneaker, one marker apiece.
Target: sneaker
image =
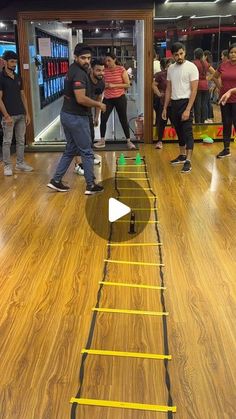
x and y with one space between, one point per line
186 167
180 159
100 144
24 167
131 145
224 153
79 169
159 144
92 190
96 161
58 186
8 171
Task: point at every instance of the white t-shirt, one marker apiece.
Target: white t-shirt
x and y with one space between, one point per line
156 66
180 76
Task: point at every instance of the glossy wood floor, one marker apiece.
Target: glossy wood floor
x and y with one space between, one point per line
50 266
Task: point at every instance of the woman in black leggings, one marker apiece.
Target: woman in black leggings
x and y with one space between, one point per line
117 81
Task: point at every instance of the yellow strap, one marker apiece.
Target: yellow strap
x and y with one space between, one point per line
135 189
124 311
137 222
134 178
123 284
124 405
128 262
136 197
124 354
124 172
134 244
130 165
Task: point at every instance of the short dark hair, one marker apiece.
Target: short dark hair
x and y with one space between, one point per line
96 61
111 54
9 55
177 46
81 49
231 47
198 53
225 53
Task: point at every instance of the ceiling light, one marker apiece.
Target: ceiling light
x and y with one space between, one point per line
2 25
168 18
207 17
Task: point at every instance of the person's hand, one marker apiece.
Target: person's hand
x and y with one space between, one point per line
27 119
9 120
103 107
160 94
96 122
224 98
185 115
164 115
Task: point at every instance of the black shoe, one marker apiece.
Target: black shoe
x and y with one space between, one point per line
58 186
92 190
224 153
186 167
180 159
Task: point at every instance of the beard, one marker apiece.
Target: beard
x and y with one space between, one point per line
85 67
99 77
11 68
179 62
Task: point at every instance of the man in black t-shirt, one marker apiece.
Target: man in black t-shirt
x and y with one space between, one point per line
75 121
14 110
96 78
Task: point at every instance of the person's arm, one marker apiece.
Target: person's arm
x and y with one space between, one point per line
97 110
7 117
226 96
125 84
216 79
167 99
186 113
84 100
156 90
24 100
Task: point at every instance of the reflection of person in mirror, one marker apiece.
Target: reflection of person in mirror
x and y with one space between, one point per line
116 83
225 78
159 89
182 83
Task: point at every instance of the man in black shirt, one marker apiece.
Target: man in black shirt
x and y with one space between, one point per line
96 78
14 109
75 121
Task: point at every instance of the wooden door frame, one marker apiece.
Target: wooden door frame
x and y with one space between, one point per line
146 15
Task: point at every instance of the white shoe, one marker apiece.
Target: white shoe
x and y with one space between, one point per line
96 160
79 170
24 167
100 144
159 144
131 145
8 171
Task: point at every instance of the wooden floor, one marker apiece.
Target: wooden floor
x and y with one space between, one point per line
50 267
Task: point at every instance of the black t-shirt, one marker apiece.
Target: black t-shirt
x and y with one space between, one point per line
76 79
97 89
11 97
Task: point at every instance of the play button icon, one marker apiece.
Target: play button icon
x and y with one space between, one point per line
110 213
117 210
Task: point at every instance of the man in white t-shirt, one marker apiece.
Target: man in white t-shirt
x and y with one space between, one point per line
182 84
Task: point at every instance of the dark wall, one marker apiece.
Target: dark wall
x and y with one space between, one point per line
9 9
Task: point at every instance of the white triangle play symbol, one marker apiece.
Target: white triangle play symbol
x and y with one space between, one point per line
117 210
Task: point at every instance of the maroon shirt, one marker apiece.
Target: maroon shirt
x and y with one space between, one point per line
202 67
160 79
227 71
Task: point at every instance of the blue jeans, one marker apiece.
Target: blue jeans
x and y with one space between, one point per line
78 137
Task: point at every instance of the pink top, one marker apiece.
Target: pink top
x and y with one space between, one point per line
114 75
227 71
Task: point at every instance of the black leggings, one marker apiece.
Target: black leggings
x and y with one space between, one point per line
228 113
184 129
160 122
120 104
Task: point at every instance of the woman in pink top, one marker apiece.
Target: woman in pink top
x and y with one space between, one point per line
227 73
201 101
117 81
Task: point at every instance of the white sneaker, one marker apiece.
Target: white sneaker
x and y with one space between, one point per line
24 167
8 171
79 170
131 145
100 144
96 161
159 144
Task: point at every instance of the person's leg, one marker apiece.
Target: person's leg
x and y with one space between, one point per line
104 118
197 107
6 146
176 113
20 128
161 124
204 111
227 120
233 107
121 108
187 127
